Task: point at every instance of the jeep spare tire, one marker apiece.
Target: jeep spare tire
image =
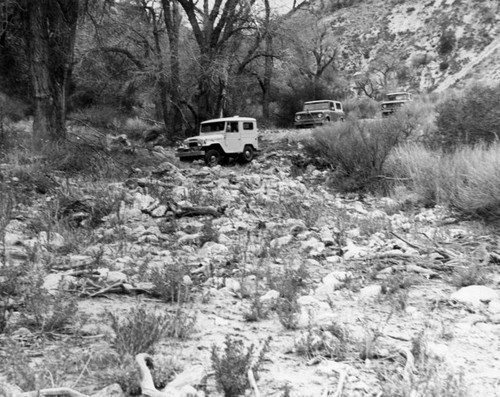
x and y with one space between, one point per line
247 155
213 157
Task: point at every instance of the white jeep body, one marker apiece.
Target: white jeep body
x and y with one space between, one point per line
221 138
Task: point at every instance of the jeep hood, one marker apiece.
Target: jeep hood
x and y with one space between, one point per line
394 102
311 112
205 137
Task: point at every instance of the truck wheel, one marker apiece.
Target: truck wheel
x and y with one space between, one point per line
213 157
247 155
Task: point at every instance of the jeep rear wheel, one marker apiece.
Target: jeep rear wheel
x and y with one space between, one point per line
247 155
213 157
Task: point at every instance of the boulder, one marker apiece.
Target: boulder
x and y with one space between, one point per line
475 295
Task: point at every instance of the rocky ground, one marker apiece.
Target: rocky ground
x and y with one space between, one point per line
379 282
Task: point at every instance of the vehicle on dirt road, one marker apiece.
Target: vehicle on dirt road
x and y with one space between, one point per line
221 139
393 101
316 113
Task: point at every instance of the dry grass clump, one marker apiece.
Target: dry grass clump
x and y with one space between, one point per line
423 374
142 329
468 179
472 182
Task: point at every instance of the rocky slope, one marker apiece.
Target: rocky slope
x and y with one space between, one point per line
374 281
413 31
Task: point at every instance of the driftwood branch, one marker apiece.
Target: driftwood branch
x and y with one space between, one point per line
54 392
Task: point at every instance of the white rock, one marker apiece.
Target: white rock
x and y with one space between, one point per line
313 246
438 351
113 390
352 251
54 240
211 249
377 214
53 282
370 292
112 276
281 241
233 285
270 296
326 236
475 295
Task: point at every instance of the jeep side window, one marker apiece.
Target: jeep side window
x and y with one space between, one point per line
232 127
248 126
332 106
337 105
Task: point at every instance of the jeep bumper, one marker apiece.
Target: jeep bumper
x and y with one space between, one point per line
190 154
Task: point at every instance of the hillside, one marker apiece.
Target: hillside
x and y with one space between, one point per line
442 42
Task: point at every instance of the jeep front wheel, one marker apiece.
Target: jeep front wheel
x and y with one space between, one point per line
247 155
213 157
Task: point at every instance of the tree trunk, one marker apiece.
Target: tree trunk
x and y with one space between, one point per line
44 120
268 65
173 19
51 41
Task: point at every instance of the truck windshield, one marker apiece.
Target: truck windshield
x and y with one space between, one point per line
397 97
316 106
216 126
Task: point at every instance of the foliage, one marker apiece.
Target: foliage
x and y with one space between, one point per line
327 341
231 366
169 282
141 329
446 42
469 118
467 179
427 376
357 149
361 107
290 285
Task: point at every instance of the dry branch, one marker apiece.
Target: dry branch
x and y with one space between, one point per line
54 392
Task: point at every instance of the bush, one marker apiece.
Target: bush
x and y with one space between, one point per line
446 42
357 150
231 367
362 108
144 328
469 118
467 180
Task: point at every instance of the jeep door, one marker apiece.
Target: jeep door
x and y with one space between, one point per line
233 137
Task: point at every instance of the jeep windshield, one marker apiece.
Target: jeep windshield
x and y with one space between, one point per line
216 126
308 107
397 97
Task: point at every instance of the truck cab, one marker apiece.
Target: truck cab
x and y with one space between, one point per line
220 139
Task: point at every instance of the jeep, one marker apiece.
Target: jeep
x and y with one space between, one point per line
220 139
317 113
393 101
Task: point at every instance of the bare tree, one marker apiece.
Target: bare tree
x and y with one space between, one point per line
214 26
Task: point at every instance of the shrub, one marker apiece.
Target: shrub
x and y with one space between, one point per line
169 282
142 328
469 118
231 366
361 107
330 341
446 42
357 150
467 180
471 181
417 168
